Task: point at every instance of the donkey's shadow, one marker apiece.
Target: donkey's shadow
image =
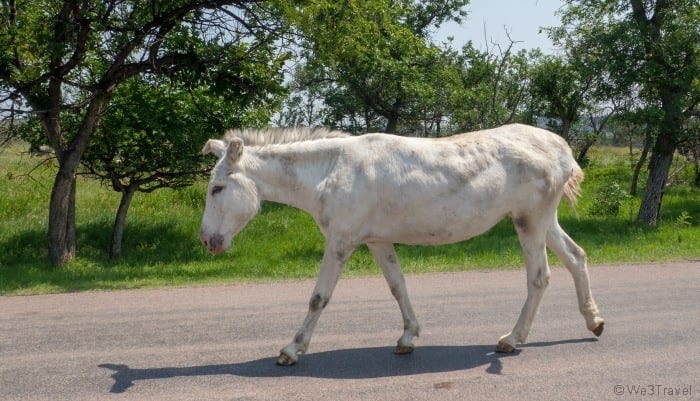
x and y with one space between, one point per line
357 363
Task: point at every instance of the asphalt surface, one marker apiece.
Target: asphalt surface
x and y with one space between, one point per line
220 343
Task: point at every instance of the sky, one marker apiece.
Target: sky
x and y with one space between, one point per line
521 18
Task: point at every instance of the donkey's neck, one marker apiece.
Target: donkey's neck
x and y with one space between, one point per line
291 174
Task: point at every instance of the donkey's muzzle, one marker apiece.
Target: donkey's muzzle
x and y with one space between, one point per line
213 243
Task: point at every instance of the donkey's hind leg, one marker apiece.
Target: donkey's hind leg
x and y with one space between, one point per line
574 258
531 233
388 261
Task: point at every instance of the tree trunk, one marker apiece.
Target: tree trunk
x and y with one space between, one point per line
62 217
62 205
640 163
368 126
580 159
696 159
115 248
662 155
565 129
392 117
659 168
391 124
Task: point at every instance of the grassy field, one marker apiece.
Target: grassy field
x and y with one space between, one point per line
161 245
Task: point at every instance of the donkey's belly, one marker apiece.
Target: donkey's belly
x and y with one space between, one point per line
424 230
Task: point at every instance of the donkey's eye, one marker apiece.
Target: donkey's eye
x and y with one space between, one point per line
217 189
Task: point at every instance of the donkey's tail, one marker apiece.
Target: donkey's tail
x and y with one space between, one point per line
572 188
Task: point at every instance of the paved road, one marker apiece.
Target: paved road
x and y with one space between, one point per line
220 343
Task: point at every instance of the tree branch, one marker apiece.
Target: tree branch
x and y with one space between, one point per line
639 12
80 43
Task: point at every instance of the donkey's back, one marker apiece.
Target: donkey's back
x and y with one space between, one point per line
430 191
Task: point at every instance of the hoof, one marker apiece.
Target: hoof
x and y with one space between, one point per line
598 330
285 360
403 349
504 347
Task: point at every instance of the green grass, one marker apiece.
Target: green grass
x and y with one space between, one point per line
161 246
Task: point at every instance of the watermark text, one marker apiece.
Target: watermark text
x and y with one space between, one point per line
653 390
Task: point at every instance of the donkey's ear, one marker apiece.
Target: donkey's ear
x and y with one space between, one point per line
215 147
234 151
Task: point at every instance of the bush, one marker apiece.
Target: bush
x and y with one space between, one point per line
608 200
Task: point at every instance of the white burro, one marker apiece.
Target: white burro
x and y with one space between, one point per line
380 189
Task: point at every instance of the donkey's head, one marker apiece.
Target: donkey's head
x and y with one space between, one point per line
232 197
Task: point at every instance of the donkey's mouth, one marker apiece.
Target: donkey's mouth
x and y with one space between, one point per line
213 243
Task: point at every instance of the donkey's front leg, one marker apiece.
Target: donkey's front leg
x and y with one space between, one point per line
334 258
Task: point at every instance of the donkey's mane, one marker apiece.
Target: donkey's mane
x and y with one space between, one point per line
272 136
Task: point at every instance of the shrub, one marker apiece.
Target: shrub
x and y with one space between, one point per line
608 200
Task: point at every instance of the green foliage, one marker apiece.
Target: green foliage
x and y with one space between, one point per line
684 220
371 61
646 51
62 63
490 89
177 72
384 74
562 90
609 38
608 200
152 133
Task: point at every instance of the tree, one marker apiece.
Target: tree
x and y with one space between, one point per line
577 100
374 54
492 87
563 91
151 136
647 47
64 60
